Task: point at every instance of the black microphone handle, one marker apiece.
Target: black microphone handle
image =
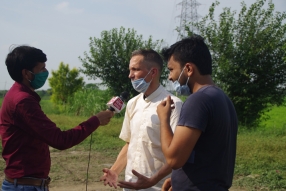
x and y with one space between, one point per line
111 108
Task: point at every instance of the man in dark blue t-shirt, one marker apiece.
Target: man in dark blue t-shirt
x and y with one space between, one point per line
202 149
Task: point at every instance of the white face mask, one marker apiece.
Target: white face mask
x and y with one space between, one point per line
141 85
184 89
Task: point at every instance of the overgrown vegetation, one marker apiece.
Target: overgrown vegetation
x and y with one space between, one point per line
260 161
247 52
64 82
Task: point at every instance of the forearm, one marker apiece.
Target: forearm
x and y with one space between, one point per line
65 139
121 160
163 172
166 139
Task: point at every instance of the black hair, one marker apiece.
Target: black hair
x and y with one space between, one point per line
23 57
150 57
191 49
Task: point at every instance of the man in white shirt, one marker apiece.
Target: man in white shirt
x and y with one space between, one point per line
146 167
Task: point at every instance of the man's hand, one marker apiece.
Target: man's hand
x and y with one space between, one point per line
142 182
164 109
109 177
167 186
104 117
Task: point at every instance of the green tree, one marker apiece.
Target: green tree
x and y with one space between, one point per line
91 86
64 82
248 56
109 58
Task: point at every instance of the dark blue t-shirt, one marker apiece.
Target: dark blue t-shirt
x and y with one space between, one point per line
211 164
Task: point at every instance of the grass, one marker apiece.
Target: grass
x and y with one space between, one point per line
260 161
105 138
275 118
261 156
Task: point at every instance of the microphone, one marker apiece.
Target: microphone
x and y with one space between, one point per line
116 104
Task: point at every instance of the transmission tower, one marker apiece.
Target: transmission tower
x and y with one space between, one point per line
188 15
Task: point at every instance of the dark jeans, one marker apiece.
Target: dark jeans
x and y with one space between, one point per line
7 186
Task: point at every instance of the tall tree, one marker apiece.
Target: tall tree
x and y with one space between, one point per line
64 82
109 58
248 56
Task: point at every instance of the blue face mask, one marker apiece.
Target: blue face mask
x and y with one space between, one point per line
39 79
184 89
141 85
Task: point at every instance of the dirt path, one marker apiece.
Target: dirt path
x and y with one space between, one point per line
98 186
69 170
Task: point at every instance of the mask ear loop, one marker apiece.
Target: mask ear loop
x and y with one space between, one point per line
143 79
151 79
180 74
33 75
187 81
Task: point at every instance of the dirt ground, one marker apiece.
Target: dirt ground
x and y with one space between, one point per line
69 170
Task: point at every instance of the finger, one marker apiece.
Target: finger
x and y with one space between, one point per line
123 184
105 170
136 173
114 185
163 103
102 178
168 101
110 184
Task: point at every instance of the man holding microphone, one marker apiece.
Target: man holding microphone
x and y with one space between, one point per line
26 131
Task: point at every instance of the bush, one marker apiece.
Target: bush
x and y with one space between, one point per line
88 102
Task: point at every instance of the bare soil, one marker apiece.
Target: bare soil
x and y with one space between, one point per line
69 170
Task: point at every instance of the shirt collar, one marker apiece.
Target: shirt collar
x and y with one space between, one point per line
154 94
28 90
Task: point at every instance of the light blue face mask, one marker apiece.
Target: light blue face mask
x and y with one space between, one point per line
141 85
184 89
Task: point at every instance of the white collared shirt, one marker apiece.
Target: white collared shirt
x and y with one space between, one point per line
141 128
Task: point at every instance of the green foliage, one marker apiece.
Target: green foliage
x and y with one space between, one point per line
2 93
91 86
109 56
260 162
86 102
44 94
64 82
274 119
248 56
49 108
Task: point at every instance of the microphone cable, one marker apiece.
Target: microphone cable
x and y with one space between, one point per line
88 161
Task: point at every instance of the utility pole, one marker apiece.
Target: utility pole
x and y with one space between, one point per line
188 15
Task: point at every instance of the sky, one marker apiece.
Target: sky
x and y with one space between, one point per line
61 29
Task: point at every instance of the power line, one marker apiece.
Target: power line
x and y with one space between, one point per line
188 16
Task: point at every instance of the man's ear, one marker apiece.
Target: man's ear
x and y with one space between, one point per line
25 74
190 67
155 72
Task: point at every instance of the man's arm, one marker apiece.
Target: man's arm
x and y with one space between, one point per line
30 118
145 182
178 147
110 176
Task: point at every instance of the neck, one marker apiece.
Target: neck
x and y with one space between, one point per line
153 87
27 83
202 81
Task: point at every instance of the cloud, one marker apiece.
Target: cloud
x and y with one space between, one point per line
64 7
